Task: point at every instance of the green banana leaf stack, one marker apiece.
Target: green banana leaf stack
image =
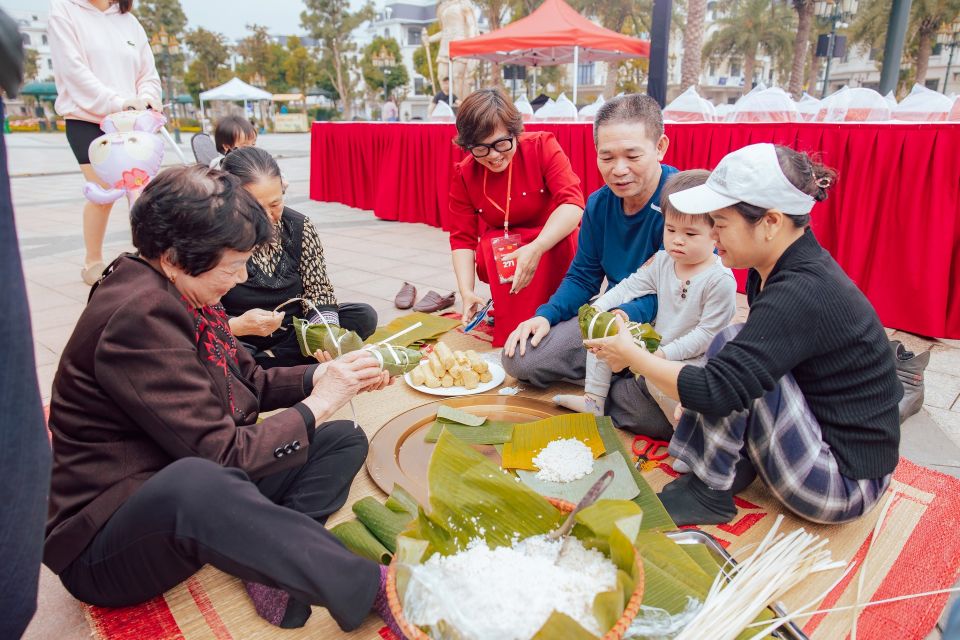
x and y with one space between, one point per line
395 360
600 324
319 337
472 498
373 534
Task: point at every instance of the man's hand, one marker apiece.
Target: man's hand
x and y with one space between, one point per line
536 328
527 258
256 322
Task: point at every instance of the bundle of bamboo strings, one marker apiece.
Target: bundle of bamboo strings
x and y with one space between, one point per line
741 593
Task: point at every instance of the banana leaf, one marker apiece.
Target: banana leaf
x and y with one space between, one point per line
621 487
490 432
432 327
400 501
600 324
395 360
452 414
472 498
383 523
655 517
333 339
356 537
529 438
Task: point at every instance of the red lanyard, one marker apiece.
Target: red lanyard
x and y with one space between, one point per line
505 212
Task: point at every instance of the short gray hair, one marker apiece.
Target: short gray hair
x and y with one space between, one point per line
634 108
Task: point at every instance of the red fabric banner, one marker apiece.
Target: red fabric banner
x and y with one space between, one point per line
892 221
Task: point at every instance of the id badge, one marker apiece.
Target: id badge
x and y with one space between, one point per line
505 245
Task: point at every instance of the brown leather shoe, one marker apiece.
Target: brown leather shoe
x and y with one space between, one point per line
433 301
406 296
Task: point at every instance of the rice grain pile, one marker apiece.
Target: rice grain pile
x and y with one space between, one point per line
507 593
564 460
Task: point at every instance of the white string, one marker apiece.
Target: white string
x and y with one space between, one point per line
863 565
303 330
400 333
776 622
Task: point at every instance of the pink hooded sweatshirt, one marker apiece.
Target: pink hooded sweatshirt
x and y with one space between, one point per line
100 59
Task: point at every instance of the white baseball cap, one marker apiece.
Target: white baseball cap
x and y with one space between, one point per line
752 175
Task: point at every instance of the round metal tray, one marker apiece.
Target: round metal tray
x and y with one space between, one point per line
399 455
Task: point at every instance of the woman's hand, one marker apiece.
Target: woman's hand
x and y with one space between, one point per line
345 377
136 104
618 351
149 102
256 322
527 258
469 304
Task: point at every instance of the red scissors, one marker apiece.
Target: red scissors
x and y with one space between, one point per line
650 449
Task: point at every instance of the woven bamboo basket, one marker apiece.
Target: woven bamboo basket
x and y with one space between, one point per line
413 632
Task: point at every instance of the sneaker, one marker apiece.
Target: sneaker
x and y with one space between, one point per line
910 368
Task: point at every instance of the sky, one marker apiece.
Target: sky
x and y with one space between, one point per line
229 17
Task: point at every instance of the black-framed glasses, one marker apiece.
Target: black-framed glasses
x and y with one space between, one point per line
482 150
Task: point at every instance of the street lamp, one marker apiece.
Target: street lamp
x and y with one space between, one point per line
836 13
949 36
384 61
166 46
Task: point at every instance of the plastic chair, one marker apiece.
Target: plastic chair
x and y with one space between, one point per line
204 150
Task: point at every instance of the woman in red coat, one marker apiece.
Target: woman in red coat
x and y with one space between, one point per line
513 184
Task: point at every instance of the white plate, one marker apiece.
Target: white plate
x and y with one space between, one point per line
495 370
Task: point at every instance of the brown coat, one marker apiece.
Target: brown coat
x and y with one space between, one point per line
134 392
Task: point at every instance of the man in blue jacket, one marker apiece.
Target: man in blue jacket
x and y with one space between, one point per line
622 228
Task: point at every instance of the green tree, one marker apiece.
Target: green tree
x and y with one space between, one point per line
926 18
168 14
209 65
300 67
420 59
31 64
752 26
395 76
331 22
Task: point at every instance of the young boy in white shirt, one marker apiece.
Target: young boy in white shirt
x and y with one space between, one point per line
696 298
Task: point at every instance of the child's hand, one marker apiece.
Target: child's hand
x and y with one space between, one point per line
618 351
621 313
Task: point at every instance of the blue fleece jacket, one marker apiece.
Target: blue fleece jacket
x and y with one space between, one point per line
611 245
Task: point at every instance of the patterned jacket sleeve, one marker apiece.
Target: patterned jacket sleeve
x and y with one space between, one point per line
313 271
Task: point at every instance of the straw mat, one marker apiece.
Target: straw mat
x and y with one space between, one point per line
917 550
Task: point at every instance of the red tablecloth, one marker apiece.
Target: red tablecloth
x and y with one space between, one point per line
892 220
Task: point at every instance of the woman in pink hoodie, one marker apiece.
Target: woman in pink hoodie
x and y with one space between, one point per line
102 63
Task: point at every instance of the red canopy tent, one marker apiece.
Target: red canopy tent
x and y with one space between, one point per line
553 34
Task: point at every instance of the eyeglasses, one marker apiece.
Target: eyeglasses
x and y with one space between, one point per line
482 150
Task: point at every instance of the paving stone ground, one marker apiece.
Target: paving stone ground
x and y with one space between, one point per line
368 260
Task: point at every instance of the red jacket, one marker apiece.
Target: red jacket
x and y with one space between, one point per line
135 392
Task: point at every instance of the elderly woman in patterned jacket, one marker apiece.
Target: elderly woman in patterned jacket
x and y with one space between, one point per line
162 459
290 267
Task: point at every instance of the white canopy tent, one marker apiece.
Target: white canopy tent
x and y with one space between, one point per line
235 90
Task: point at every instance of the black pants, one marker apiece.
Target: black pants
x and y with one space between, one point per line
356 316
196 512
24 447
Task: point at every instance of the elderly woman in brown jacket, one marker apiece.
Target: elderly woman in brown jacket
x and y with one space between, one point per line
160 463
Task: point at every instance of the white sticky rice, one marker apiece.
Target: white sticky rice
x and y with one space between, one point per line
564 461
507 593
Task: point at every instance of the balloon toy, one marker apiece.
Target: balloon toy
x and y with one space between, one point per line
126 156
